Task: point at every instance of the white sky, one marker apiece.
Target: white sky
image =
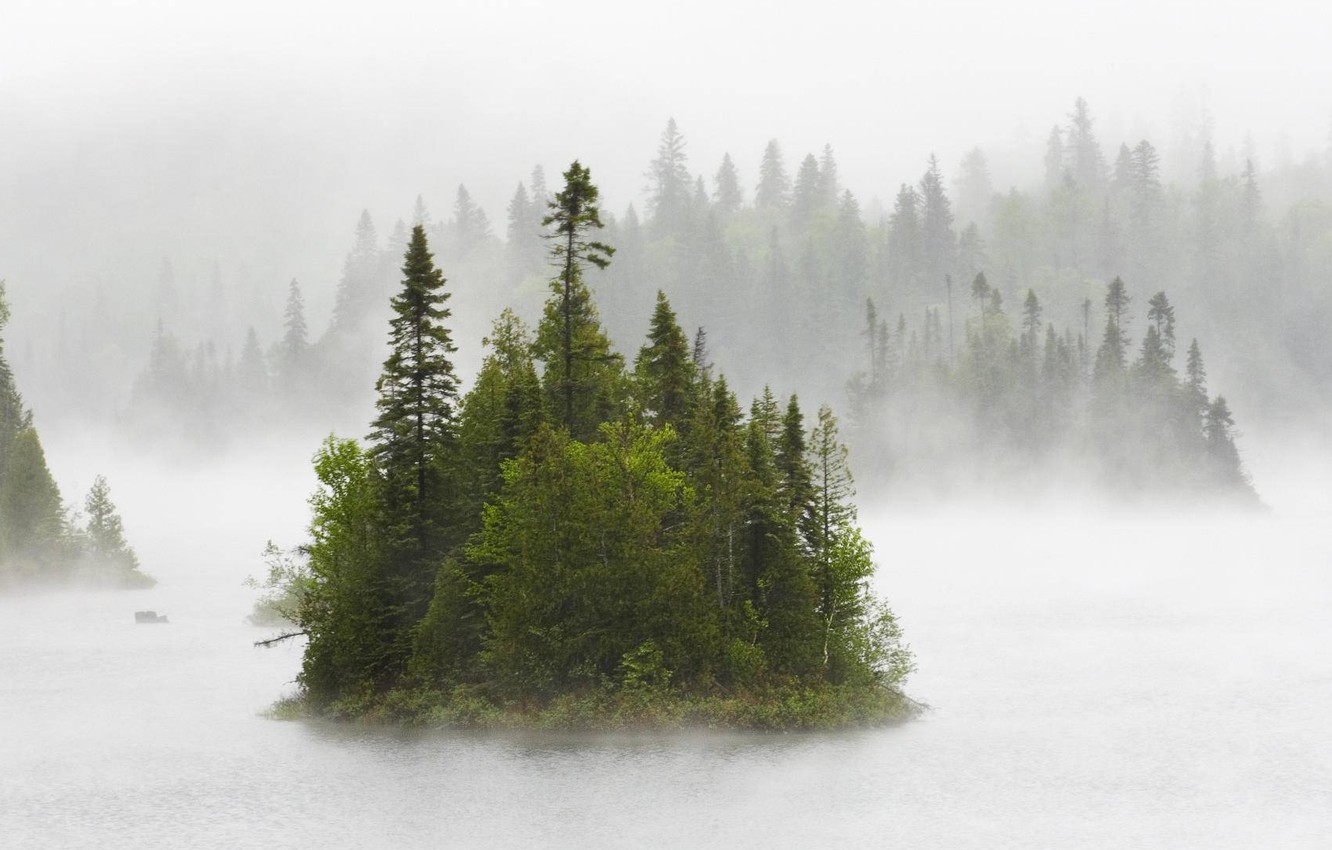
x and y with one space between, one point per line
186 116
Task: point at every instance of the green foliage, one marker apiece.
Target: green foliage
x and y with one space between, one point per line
664 371
284 588
581 372
579 546
106 554
32 518
413 441
581 571
348 613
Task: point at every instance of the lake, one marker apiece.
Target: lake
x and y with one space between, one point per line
1095 683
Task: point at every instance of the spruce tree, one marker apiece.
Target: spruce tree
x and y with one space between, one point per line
359 289
414 434
668 181
295 350
774 187
664 370
937 237
581 371
729 196
112 557
807 198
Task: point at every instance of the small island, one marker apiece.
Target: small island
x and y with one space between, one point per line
581 543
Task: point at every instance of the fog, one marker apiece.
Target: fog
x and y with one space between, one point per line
1115 650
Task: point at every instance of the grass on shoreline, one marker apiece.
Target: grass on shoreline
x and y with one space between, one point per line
779 708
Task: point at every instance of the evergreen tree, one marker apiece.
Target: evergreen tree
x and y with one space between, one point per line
1112 356
668 182
1162 317
499 415
729 196
580 369
780 618
905 239
471 225
32 516
1087 164
1218 430
830 186
295 337
807 198
796 487
839 555
413 436
105 534
974 189
664 370
774 187
1054 158
358 291
938 240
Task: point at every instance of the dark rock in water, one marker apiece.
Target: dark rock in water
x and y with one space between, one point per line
149 617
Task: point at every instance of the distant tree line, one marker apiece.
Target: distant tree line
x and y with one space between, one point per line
1022 399
782 270
40 541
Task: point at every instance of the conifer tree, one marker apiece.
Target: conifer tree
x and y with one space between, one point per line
413 434
1195 383
782 615
830 185
840 557
499 415
905 239
1162 317
580 369
471 225
937 237
295 336
807 197
797 486
1112 356
669 183
1087 164
728 195
105 534
774 187
664 370
32 517
1054 158
358 290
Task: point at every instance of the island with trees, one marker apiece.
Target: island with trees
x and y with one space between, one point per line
578 541
42 543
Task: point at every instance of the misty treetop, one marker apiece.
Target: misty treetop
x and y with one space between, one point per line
778 256
1035 405
573 539
41 541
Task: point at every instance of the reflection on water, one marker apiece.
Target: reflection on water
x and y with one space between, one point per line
1124 683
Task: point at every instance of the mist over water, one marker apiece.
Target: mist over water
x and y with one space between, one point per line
1094 680
1099 671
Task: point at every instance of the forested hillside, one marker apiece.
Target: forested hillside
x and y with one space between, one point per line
777 261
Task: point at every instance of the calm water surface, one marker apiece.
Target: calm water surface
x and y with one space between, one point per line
1120 683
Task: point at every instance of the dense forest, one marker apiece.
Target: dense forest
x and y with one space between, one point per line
780 275
40 541
583 540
